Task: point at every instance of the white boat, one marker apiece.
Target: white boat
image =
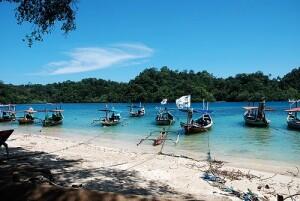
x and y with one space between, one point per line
292 119
137 111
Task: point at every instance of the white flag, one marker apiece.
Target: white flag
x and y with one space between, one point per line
183 102
164 101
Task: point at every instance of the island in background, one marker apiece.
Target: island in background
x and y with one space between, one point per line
153 84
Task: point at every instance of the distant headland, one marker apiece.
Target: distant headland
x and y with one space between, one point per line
153 84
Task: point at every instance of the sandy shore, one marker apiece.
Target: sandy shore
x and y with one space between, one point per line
105 167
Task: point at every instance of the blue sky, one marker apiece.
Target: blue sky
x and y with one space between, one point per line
116 40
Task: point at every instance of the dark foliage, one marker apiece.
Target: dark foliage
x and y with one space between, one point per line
152 85
43 15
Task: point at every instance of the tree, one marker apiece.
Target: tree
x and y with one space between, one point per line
44 14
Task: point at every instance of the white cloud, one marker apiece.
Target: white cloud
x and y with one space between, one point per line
94 58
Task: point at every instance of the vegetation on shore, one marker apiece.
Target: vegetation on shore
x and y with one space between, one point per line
153 84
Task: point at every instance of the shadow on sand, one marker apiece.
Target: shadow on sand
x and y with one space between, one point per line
28 175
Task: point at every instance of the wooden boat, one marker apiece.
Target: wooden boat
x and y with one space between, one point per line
54 118
292 119
4 135
137 111
202 124
160 139
7 113
191 126
163 136
255 116
112 117
164 117
28 117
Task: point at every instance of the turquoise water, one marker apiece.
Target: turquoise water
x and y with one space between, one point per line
228 136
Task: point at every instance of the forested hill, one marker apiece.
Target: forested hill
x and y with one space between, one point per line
153 84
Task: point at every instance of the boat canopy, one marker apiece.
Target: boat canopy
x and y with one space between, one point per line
296 109
109 110
9 111
30 111
255 108
250 108
8 105
56 110
135 106
202 111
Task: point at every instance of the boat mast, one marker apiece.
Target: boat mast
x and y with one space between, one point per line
296 107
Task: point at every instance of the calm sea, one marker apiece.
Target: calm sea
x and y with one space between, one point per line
229 136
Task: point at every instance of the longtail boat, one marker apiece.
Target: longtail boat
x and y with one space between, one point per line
137 111
164 116
7 113
28 117
191 126
112 117
292 119
54 118
255 116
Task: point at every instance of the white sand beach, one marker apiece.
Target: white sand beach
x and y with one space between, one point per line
83 163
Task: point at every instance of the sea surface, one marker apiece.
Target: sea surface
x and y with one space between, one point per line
228 137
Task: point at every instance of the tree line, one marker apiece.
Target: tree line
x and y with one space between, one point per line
153 84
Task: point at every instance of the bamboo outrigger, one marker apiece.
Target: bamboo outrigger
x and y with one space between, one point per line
163 136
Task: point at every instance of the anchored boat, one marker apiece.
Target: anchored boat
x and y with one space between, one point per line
164 116
292 119
53 117
191 126
7 113
137 111
28 117
255 116
112 117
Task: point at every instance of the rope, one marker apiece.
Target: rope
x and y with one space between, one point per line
58 150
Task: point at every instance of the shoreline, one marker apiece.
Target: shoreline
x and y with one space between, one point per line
180 177
240 161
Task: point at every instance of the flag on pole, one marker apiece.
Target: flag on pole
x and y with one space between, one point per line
164 101
183 102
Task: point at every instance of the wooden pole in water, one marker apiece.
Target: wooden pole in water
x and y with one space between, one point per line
296 107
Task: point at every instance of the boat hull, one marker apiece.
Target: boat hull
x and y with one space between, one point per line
256 123
5 120
25 121
165 122
137 114
293 124
4 135
194 128
48 123
109 123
